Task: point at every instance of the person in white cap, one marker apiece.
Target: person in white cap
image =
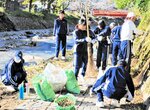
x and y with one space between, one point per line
128 30
14 73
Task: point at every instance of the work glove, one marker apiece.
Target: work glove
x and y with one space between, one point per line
93 41
108 40
100 38
87 39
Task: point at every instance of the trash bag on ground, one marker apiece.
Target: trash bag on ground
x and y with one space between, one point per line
65 102
55 76
43 88
72 84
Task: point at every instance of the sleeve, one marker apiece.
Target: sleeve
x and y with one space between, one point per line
100 82
96 30
105 33
10 72
55 26
67 31
130 84
77 39
92 36
135 30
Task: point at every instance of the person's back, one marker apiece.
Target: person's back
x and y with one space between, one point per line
115 84
116 33
13 73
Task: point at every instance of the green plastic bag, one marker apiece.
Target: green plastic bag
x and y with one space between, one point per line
42 88
62 98
72 84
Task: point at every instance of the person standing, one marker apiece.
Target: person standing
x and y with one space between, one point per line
128 30
80 47
115 38
60 32
102 32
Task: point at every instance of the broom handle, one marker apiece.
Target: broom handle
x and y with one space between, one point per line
87 22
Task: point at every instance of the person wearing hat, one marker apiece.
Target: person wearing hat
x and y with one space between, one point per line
116 83
14 74
80 47
102 32
60 32
128 30
115 39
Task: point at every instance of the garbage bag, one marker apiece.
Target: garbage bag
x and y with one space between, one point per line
65 102
55 76
42 88
72 84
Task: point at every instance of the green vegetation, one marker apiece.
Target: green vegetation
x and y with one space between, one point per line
121 4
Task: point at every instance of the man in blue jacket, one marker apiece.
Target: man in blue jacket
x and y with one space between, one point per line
115 38
116 83
102 32
60 32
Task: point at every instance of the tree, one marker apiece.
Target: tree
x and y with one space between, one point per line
49 3
30 3
122 3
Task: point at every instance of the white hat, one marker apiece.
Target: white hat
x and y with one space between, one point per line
112 24
130 14
17 59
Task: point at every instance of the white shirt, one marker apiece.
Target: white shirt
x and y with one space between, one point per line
128 28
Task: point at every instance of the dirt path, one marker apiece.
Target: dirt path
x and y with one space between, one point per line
10 100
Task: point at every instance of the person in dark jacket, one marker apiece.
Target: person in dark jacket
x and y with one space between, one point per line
80 47
116 83
102 32
115 38
14 74
60 32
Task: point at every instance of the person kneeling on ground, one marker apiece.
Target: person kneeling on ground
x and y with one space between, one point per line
116 83
14 73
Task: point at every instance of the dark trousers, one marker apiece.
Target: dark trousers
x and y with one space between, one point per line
80 61
61 38
115 52
100 95
101 55
126 52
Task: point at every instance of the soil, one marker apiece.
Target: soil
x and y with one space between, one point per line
9 100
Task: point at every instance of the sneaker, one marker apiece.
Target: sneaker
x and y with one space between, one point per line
10 88
115 103
129 97
63 58
91 93
82 78
100 104
56 58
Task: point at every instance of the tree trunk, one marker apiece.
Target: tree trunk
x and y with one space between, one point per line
30 5
49 5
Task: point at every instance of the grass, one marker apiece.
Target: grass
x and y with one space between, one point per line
38 69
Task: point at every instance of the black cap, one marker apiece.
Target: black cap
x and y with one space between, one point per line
61 12
82 21
102 24
122 62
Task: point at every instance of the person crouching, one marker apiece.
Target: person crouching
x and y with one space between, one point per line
14 74
116 83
